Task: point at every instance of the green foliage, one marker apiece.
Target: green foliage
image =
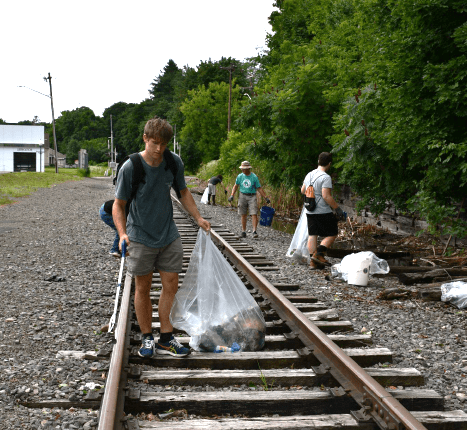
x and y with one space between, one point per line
234 150
205 111
207 171
84 173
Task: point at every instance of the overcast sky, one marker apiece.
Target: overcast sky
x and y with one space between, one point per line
101 52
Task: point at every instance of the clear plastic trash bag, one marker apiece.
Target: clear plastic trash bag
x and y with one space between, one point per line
455 293
349 262
213 306
204 198
298 249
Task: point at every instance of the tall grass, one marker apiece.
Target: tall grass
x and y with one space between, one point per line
20 184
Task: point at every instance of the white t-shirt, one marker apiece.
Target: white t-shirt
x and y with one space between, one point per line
319 180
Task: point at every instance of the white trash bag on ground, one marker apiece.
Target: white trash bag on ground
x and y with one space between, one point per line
455 293
350 262
204 198
214 307
298 249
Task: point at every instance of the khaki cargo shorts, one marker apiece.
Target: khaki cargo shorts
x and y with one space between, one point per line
247 204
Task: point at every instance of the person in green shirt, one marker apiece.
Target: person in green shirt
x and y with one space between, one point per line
248 184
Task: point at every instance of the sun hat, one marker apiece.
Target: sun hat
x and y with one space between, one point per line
245 165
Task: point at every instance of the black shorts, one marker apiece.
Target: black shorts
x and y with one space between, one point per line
324 225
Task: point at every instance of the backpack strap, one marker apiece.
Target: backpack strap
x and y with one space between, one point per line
137 178
172 165
138 173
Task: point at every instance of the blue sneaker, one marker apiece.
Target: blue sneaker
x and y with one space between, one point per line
172 347
147 347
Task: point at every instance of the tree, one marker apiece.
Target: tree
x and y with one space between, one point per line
205 112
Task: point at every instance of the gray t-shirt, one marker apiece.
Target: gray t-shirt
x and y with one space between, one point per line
319 180
150 220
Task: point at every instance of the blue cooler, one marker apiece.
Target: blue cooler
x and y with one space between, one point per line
267 214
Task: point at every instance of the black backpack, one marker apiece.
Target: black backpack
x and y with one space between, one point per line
138 173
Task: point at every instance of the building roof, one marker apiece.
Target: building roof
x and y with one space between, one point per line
22 134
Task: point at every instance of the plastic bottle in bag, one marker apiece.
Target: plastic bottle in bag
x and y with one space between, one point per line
234 348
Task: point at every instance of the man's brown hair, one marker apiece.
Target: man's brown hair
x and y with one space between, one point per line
158 128
324 158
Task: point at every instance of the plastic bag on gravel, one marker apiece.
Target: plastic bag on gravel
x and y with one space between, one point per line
298 249
378 266
455 293
204 198
213 305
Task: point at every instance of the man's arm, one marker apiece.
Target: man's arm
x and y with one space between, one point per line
327 196
261 191
303 189
119 217
189 204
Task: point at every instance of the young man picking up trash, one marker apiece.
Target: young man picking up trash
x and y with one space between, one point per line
322 221
248 183
212 188
151 235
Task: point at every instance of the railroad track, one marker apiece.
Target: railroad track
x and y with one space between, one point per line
314 372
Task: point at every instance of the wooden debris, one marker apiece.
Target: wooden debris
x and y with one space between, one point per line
395 293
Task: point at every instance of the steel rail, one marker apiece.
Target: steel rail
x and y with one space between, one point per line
111 411
375 401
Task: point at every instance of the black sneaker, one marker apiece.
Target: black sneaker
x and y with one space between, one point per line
255 235
172 347
147 347
243 233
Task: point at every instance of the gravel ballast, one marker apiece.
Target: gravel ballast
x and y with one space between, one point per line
58 283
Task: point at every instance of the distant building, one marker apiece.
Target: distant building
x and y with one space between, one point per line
49 154
25 148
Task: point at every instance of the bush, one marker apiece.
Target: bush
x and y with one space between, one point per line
209 170
84 173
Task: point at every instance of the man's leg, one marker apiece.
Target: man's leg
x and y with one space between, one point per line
328 241
312 244
244 218
167 344
169 289
143 305
254 222
143 308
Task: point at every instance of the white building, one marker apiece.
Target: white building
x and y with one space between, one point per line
21 148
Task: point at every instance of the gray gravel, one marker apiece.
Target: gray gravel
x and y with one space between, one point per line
57 282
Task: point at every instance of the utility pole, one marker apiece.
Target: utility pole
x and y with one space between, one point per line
111 147
49 78
231 68
251 87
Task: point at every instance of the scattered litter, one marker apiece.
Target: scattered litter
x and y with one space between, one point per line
455 293
355 264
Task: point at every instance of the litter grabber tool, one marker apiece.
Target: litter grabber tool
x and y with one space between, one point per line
119 286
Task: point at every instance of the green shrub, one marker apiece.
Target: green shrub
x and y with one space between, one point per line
84 173
209 170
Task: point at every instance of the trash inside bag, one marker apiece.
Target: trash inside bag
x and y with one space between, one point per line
214 307
298 249
204 198
350 262
455 293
